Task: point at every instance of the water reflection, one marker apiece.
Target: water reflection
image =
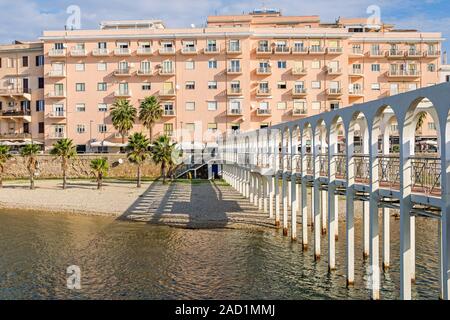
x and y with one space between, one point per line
121 260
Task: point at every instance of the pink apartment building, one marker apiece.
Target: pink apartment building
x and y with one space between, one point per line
238 73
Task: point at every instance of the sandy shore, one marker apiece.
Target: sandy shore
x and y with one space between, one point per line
81 197
185 205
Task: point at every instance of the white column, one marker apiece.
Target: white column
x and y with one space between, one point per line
336 217
324 209
413 249
293 207
271 181
255 190
285 204
386 238
317 196
304 214
366 228
350 209
313 218
266 190
277 200
260 192
251 187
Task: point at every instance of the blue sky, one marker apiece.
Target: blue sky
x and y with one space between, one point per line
25 19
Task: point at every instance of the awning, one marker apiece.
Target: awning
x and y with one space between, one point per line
109 144
19 143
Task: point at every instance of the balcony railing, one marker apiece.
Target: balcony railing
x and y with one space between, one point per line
299 71
122 72
341 166
189 50
78 52
299 112
316 50
355 72
15 91
403 73
57 114
15 113
334 71
414 53
144 72
334 91
56 74
234 70
264 70
433 53
389 171
300 50
356 52
263 112
122 51
144 51
299 91
15 136
100 52
234 49
362 168
57 53
335 50
396 53
167 92
282 49
235 111
122 93
57 135
167 71
309 164
57 94
167 50
212 49
169 113
263 92
234 91
377 53
264 50
426 174
356 92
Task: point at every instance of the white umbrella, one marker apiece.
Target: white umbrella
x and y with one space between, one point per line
6 143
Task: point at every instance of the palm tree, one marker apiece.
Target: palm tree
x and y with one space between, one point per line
150 112
30 152
420 120
138 146
100 169
163 152
123 116
66 150
4 157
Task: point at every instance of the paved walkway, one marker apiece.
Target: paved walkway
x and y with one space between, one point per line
202 205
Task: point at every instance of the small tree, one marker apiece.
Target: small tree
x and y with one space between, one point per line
163 152
149 113
123 116
66 150
4 157
138 152
100 169
30 152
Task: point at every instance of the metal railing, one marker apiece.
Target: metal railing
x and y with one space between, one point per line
341 166
426 174
389 171
323 165
362 168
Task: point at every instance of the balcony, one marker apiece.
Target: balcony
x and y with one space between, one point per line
144 51
167 93
169 113
334 92
264 50
167 51
264 70
78 53
356 52
261 112
334 71
355 72
100 52
15 136
377 54
16 93
211 49
122 93
356 93
393 53
297 112
60 114
144 72
300 50
316 50
189 51
235 112
414 53
167 72
433 53
263 92
234 50
121 52
123 72
335 50
16 114
299 92
282 50
403 73
299 71
234 70
57 135
234 91
57 53
56 74
57 94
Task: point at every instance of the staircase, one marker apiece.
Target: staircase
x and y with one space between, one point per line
189 168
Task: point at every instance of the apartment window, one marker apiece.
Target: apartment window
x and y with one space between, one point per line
11 63
146 87
447 78
376 86
300 105
212 105
81 128
190 65
80 107
282 85
102 45
79 67
431 67
315 85
80 87
334 105
102 128
212 64
282 64
190 106
316 105
102 86
235 127
40 83
25 61
40 105
431 126
315 64
376 67
190 85
394 127
281 105
39 61
58 109
168 129
102 107
41 127
263 125
212 85
102 66
212 127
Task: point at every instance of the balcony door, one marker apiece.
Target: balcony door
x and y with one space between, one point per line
167 65
168 87
59 89
123 88
25 84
